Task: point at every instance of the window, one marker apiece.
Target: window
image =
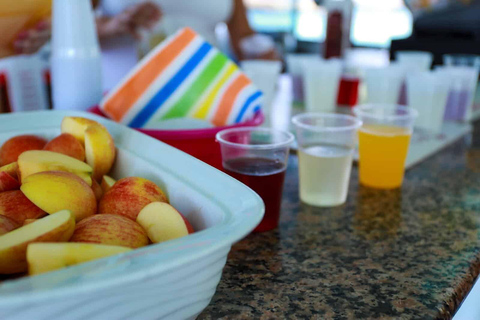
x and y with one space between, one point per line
374 22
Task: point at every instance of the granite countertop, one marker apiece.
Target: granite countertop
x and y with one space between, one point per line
412 253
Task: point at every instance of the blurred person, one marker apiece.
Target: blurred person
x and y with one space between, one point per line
121 24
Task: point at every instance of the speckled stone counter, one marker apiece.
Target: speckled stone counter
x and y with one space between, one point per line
404 254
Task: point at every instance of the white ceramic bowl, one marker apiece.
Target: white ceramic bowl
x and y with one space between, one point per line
171 280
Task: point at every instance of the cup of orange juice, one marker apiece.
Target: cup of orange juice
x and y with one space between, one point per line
384 139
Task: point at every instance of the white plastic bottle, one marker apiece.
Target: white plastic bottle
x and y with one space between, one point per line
76 56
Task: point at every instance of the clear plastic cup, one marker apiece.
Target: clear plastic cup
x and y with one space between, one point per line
295 64
428 94
415 60
264 74
321 83
384 84
384 139
466 60
326 146
464 81
258 157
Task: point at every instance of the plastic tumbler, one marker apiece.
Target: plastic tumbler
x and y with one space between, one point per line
258 157
384 139
264 74
466 60
463 80
428 94
412 61
321 82
295 69
326 145
384 84
415 60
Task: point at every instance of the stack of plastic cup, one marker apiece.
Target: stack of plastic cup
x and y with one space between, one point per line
295 64
76 58
412 61
464 82
418 60
428 93
264 74
466 60
321 83
384 84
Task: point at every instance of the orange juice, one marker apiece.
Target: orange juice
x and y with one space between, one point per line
383 151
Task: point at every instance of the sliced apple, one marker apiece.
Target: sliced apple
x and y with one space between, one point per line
14 205
76 126
110 229
99 150
56 190
28 221
68 145
107 183
13 245
32 162
7 225
46 257
130 195
162 222
97 190
7 182
14 147
11 169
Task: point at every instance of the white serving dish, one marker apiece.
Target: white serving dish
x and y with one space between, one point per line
172 280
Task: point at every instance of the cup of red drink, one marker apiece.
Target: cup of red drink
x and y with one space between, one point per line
258 157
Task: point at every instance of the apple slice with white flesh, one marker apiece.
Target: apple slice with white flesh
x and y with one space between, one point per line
46 257
32 162
163 222
99 150
107 183
76 126
57 227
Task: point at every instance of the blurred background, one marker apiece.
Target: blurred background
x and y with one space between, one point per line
301 24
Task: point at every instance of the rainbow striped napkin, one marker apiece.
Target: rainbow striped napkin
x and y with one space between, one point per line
183 77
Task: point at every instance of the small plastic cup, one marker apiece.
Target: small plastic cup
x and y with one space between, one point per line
384 84
465 60
428 94
415 60
295 64
412 62
321 83
384 139
258 157
463 81
264 74
326 146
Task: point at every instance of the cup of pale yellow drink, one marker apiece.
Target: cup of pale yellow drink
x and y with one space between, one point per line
326 144
384 139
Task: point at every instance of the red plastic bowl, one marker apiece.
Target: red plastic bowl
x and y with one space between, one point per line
199 143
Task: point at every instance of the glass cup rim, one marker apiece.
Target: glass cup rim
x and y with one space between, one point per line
296 120
288 141
360 112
